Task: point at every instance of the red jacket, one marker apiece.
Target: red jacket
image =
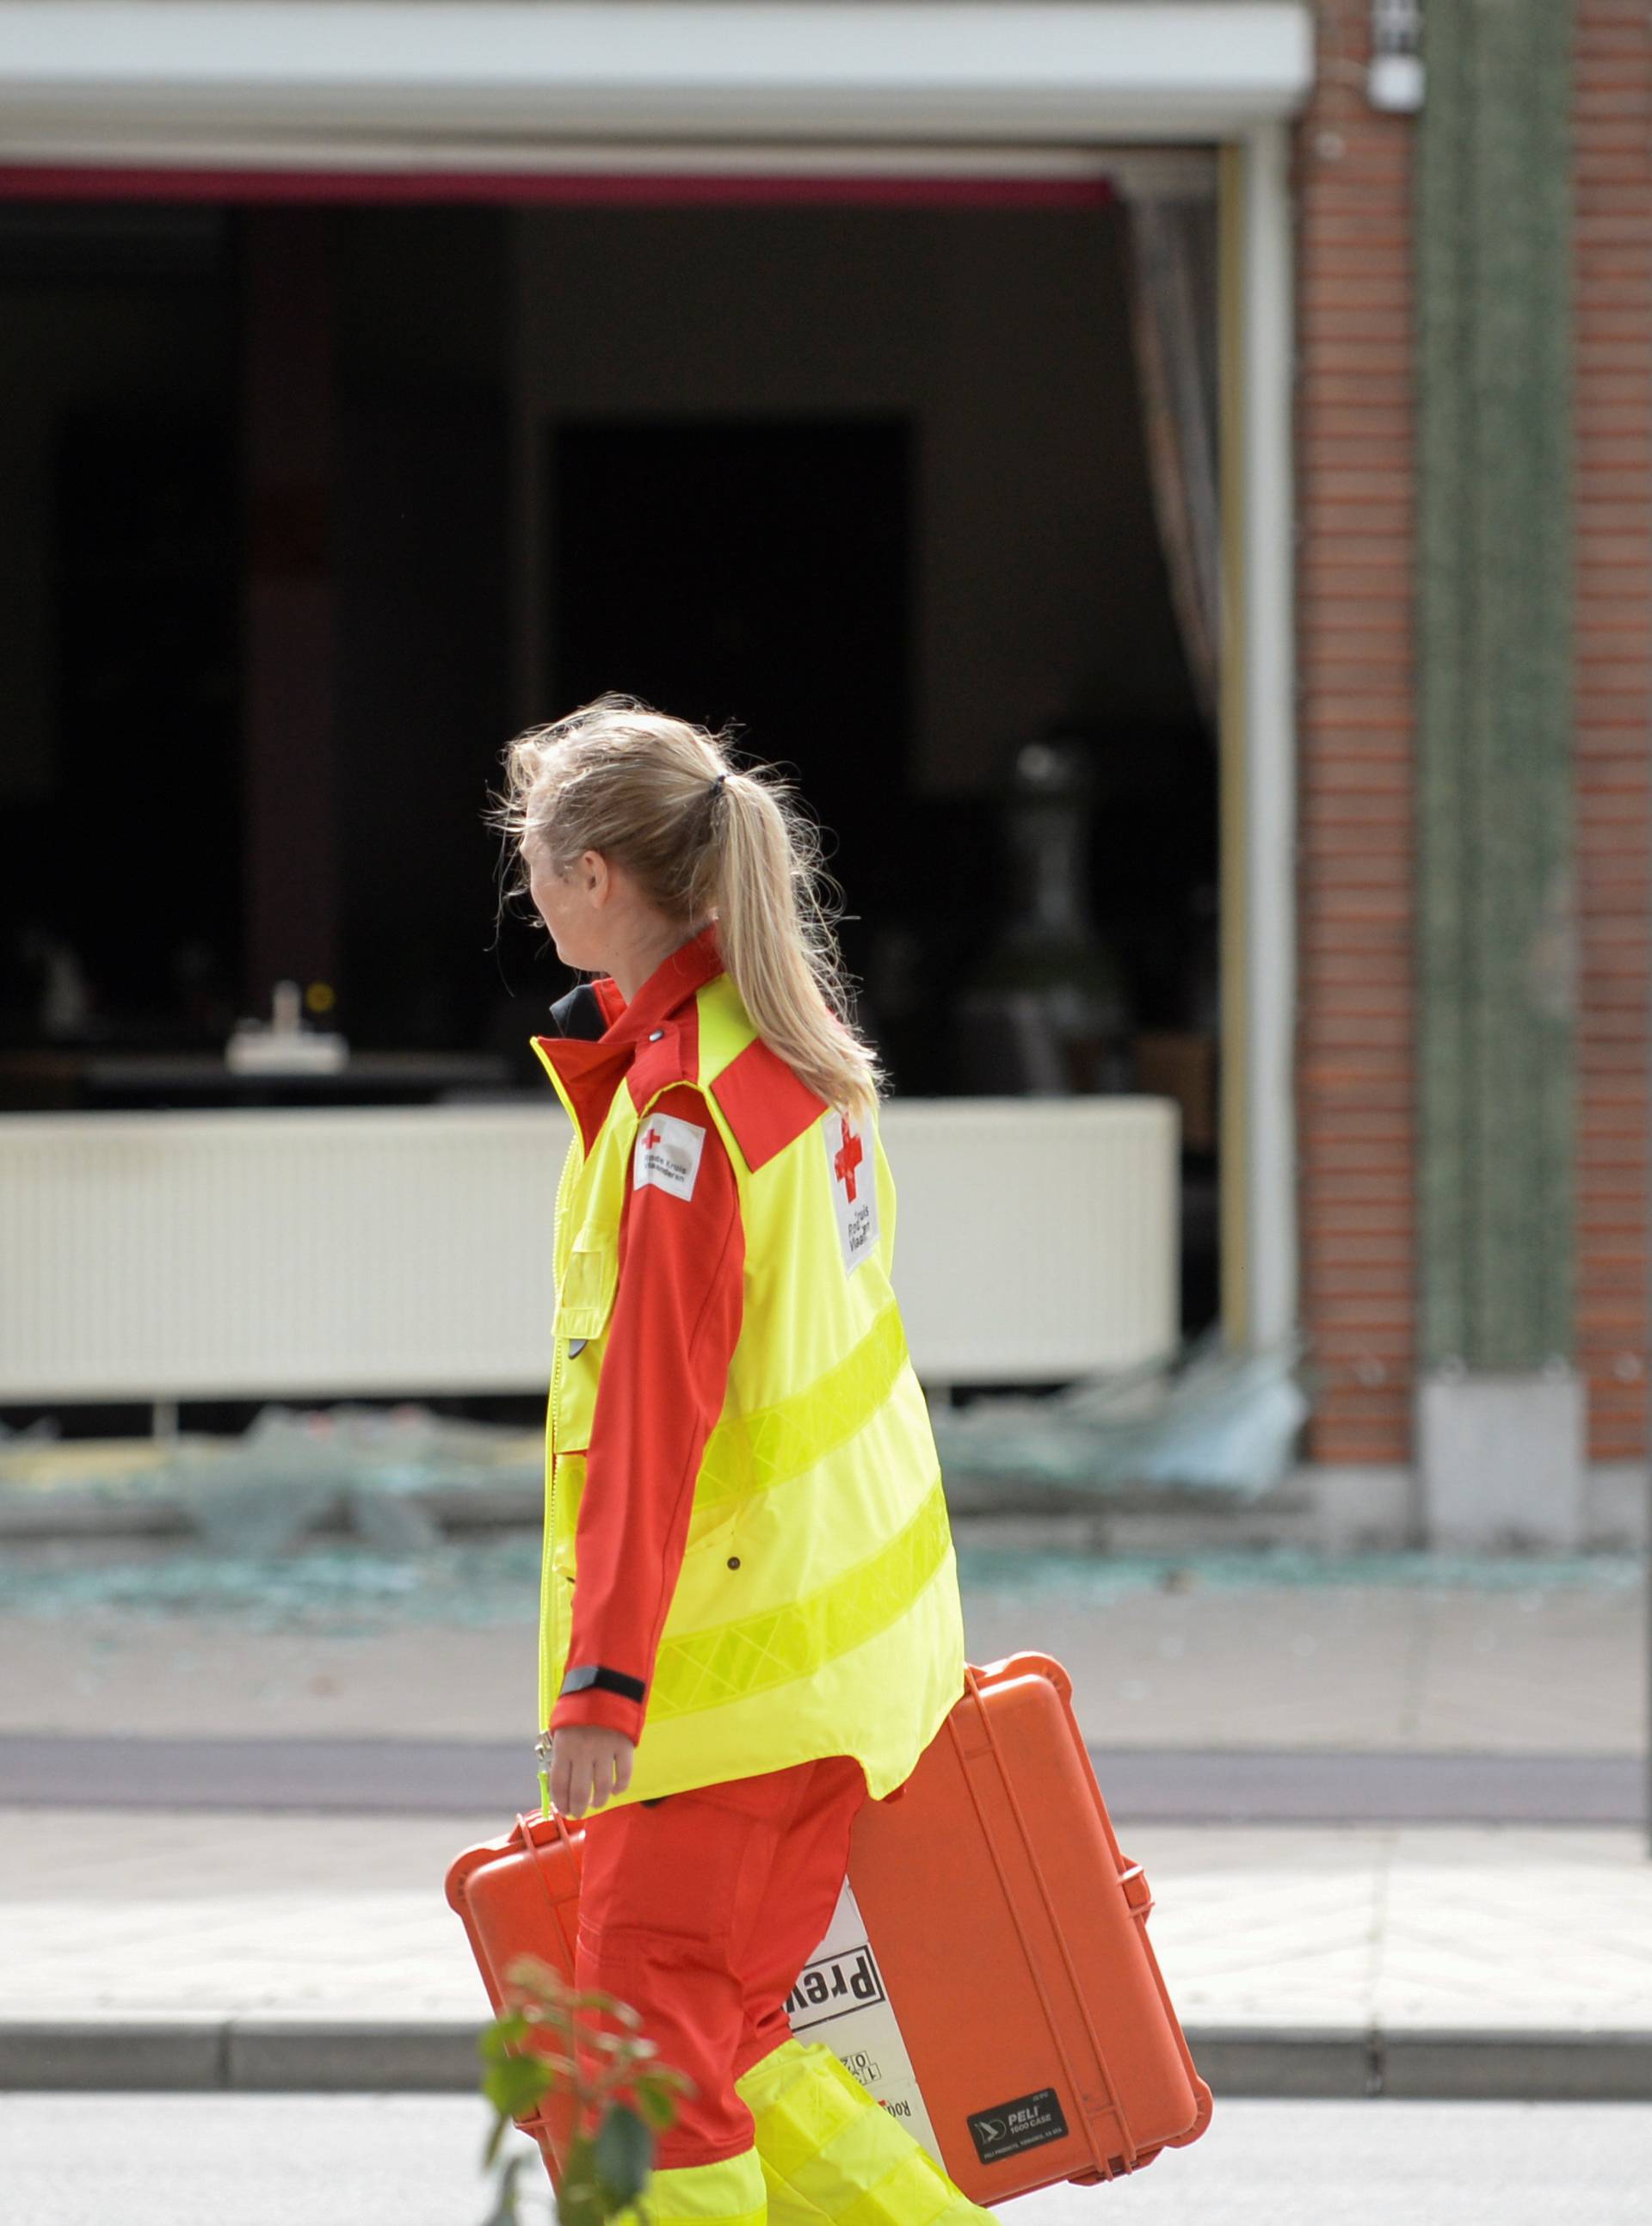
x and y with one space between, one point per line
672 1335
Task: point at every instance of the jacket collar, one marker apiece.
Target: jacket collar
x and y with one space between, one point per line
668 989
587 1065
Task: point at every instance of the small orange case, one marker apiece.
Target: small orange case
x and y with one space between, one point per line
991 1930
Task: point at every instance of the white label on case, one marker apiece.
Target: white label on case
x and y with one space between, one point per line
840 1998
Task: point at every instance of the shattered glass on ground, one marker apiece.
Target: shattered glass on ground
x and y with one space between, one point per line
1205 1419
358 1519
387 1475
348 1588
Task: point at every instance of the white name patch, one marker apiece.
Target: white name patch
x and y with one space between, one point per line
667 1153
852 1165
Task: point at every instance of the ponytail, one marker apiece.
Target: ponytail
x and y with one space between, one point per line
662 797
777 943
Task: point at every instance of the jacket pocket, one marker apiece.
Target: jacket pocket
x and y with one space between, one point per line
585 1294
565 1520
584 1301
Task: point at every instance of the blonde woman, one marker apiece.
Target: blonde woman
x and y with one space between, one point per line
749 1611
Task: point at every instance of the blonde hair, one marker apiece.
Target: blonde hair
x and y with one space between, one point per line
644 790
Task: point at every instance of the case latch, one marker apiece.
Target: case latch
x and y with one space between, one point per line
1137 1892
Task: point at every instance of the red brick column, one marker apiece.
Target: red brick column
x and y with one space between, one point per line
1612 525
1356 553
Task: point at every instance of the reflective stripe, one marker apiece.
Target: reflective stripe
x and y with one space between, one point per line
729 2193
731 1660
907 2191
797 2106
749 1453
831 2152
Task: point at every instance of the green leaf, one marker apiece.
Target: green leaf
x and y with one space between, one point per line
534 1974
606 2005
579 2199
506 2032
517 2086
579 2172
625 2155
657 2102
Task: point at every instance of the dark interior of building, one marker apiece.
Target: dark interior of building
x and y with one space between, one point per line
308 510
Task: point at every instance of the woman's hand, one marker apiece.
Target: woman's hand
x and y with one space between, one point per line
588 1765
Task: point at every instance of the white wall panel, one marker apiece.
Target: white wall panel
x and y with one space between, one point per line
169 1255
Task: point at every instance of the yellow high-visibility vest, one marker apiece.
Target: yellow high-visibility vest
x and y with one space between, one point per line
817 1611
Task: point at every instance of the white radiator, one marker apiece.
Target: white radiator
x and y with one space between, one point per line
303 1255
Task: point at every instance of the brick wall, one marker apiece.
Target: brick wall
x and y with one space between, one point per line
1356 1074
1612 525
1355 713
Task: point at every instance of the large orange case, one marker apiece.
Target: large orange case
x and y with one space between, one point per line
988 1973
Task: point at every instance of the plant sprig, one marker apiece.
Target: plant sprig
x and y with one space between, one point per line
551 2038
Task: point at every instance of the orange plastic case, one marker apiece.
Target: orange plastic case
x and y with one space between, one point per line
988 1974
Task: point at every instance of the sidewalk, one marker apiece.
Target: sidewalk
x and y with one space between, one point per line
151 1950
289 1948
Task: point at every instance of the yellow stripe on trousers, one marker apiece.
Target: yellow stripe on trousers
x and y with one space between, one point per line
831 2152
731 2193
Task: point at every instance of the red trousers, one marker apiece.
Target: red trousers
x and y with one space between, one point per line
699 1910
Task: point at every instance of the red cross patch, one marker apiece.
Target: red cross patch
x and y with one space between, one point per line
848 1157
855 1188
668 1154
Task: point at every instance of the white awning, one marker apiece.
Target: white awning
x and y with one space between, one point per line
303 83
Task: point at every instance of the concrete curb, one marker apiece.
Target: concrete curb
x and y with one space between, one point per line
1421 2064
251 2055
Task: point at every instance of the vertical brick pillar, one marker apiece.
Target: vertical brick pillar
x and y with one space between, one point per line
1501 1442
1613 540
1354 479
